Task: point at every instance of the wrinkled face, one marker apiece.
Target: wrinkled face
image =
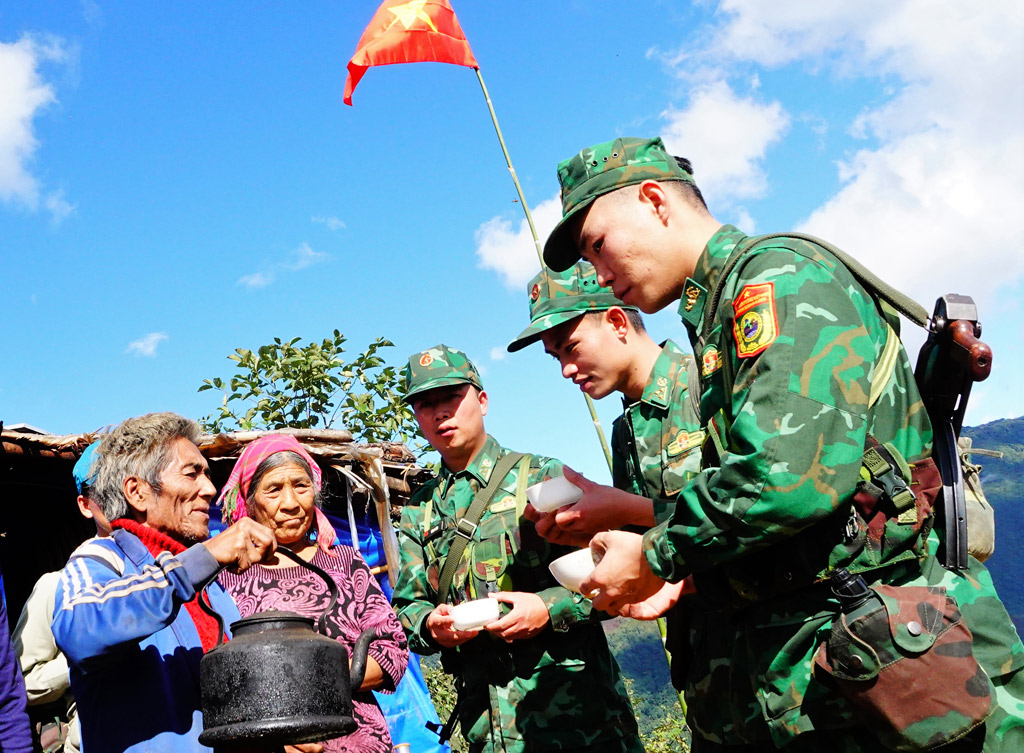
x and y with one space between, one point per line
182 508
588 349
452 420
284 502
626 240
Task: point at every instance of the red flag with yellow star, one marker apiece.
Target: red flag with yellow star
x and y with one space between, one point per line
409 31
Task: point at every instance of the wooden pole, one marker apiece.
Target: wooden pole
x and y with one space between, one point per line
540 254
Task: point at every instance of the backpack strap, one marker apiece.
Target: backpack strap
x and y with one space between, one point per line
465 528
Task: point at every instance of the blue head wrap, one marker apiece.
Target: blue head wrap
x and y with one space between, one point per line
84 472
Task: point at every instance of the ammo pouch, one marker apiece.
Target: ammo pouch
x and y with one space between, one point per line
903 658
981 519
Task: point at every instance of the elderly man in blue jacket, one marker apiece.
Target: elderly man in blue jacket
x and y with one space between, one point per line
126 614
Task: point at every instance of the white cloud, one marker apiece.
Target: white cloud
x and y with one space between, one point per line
932 202
256 280
333 223
728 136
296 259
146 346
498 354
511 252
58 206
24 94
304 256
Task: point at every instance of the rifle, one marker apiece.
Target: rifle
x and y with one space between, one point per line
950 362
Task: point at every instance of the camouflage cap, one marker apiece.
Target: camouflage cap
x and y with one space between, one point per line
599 170
439 366
557 297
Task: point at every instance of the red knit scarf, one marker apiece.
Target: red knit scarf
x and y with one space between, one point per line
157 542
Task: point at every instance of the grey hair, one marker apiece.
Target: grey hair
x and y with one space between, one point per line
276 460
138 447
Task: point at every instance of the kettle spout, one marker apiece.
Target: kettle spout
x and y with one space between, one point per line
359 653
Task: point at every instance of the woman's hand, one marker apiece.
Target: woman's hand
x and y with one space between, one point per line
441 626
304 748
528 617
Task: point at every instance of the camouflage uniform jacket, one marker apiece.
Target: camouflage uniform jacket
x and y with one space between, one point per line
559 690
656 441
786 378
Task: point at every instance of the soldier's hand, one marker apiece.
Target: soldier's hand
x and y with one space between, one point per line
662 601
602 508
622 576
548 529
243 544
528 617
441 626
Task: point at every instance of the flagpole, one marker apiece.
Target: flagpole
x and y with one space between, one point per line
536 243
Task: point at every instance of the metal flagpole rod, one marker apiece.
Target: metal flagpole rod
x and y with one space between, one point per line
540 255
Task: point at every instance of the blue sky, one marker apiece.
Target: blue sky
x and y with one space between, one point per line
177 181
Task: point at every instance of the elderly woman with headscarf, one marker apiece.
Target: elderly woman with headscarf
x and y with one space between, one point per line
277 483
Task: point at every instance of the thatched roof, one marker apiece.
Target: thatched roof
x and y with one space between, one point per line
37 488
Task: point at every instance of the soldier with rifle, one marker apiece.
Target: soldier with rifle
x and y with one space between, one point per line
829 621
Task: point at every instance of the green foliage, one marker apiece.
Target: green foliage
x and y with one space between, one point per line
287 384
638 649
441 686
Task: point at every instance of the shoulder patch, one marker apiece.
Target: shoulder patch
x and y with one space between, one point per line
756 324
710 361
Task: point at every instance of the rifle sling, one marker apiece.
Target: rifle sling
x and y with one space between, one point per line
466 526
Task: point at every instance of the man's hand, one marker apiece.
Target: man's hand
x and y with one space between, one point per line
243 544
528 617
601 508
441 626
662 601
622 576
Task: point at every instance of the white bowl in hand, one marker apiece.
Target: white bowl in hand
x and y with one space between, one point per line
470 615
572 569
552 494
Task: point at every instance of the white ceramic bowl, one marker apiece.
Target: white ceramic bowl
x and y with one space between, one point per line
470 615
552 494
572 569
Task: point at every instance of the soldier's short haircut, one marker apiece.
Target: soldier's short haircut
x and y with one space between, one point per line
688 191
139 447
636 319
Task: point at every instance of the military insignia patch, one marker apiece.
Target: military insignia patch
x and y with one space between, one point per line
685 440
535 293
711 361
692 293
426 359
756 325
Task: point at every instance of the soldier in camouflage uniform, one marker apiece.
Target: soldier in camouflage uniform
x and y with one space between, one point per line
802 373
602 345
540 678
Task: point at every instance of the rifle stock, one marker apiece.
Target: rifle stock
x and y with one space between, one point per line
951 360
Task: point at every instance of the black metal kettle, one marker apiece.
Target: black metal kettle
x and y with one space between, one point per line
278 681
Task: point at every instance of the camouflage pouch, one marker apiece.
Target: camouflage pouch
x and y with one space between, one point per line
904 660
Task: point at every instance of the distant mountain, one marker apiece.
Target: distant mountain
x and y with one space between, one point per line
1003 480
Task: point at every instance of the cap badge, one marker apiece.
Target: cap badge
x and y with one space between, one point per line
535 293
426 359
